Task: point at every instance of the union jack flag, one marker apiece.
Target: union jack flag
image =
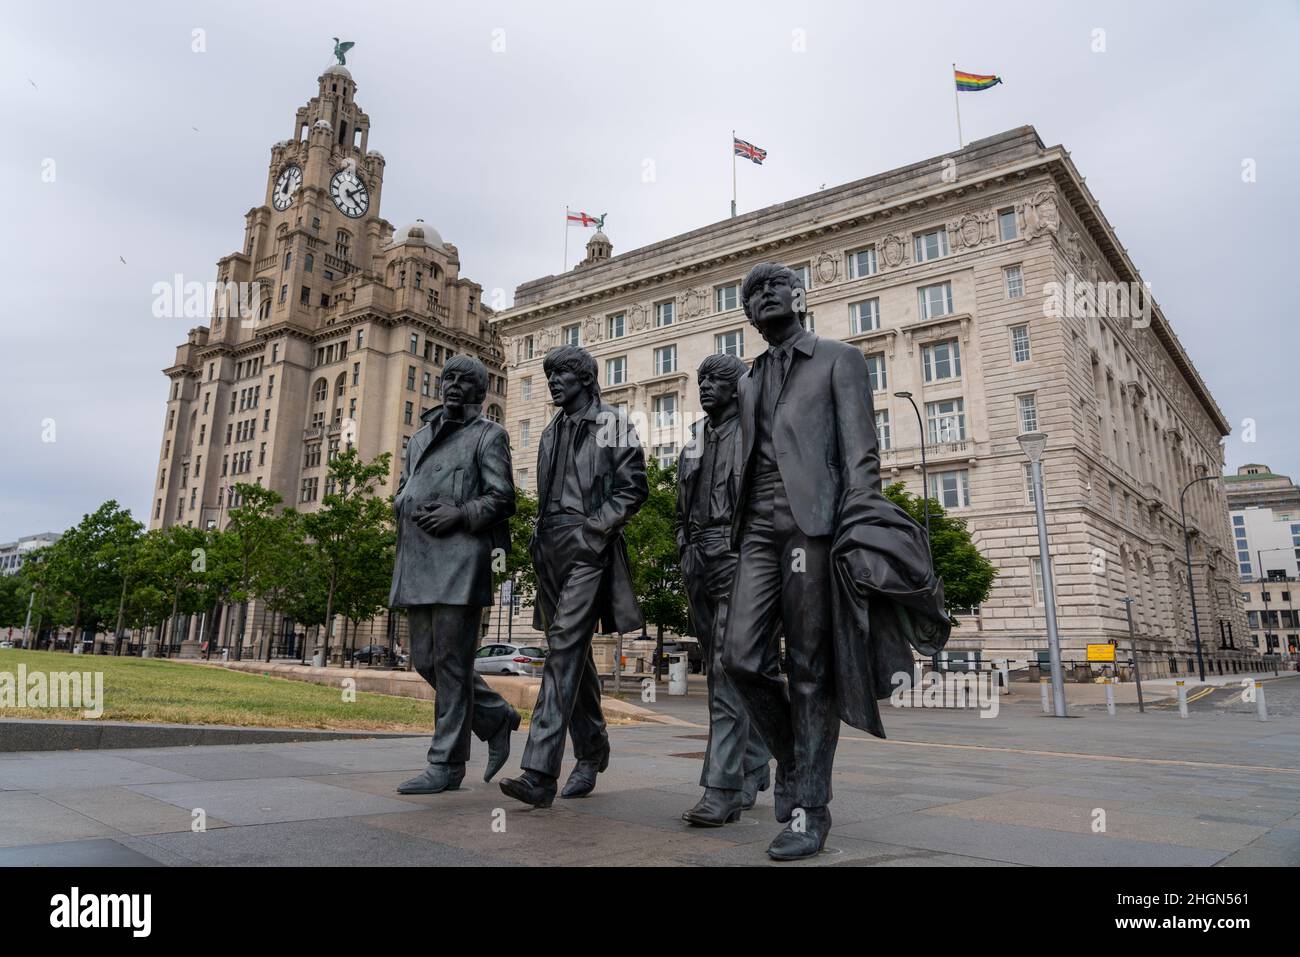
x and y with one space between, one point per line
749 151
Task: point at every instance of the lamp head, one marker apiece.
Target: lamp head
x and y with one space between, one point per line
1032 444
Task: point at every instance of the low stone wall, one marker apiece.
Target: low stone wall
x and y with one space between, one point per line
519 691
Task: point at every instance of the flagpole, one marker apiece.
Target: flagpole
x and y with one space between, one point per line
956 102
566 241
733 174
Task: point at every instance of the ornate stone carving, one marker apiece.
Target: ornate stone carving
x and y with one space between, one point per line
638 316
827 267
592 331
1041 215
893 250
694 302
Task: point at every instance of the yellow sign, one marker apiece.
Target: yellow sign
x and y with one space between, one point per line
1104 652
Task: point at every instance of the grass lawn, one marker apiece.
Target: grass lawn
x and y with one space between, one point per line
146 689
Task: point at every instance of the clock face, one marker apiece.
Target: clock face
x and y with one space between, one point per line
349 193
288 183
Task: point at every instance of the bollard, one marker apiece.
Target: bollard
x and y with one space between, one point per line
1043 688
1182 699
1261 709
1110 696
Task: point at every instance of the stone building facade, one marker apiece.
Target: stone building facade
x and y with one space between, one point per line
341 342
986 283
1265 514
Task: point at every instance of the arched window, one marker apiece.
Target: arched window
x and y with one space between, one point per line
494 413
320 391
342 242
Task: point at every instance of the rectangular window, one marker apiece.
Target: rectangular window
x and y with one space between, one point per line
408 415
415 344
664 314
361 338
526 388
1007 224
525 433
426 384
528 347
726 298
1029 483
304 297
616 325
1036 573
864 316
876 372
356 373
1027 407
1020 343
270 386
665 360
666 455
951 489
884 440
941 360
934 301
804 273
1015 282
730 343
410 378
931 245
862 263
946 420
571 335
616 370
665 410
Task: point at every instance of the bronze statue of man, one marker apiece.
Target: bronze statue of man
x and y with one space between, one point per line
590 482
708 485
824 555
453 503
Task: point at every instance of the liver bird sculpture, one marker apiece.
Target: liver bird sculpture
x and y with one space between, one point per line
341 49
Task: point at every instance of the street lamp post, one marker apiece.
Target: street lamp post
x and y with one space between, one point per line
925 475
1033 444
1191 585
1132 640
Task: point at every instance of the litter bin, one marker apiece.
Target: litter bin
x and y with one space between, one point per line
225 654
677 669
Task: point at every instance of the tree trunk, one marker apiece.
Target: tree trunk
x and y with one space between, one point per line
121 614
329 622
659 648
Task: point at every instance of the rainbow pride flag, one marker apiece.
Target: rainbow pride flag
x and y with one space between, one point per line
974 82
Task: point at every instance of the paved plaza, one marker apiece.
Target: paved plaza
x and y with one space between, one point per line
947 788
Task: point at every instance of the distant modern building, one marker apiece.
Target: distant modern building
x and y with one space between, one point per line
989 284
1265 511
352 323
12 554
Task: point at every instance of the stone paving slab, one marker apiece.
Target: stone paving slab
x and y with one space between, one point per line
946 789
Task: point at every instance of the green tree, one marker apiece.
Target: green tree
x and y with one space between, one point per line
519 563
652 552
87 566
346 516
966 574
281 570
368 576
174 561
236 550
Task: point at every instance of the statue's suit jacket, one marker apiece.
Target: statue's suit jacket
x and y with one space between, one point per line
467 466
611 470
688 472
886 594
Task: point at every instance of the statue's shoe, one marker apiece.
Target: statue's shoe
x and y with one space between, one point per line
759 779
435 779
717 807
795 845
499 745
582 780
530 788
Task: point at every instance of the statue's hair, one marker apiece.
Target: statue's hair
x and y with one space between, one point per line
473 368
761 274
724 366
577 360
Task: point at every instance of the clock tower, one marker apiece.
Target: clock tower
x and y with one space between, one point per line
339 344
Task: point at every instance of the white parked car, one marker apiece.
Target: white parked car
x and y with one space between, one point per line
504 659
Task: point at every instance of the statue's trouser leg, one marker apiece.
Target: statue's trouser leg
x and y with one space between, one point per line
443 639
734 747
569 699
784 580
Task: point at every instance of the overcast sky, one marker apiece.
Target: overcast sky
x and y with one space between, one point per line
158 151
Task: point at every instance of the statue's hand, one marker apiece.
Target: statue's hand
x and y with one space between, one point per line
439 519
